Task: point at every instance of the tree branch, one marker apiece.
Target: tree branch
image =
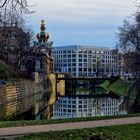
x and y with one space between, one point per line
3 4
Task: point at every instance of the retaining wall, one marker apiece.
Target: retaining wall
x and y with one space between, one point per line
20 96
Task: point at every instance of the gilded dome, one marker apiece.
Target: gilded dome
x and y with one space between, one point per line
42 36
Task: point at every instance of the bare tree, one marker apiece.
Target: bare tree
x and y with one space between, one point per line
13 37
3 3
129 44
15 3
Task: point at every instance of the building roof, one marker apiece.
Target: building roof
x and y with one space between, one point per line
85 47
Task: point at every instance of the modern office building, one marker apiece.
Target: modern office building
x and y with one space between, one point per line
85 61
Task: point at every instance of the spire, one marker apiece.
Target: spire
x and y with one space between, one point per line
42 25
42 36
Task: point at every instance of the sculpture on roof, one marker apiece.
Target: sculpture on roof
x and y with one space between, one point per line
44 47
42 36
41 52
43 42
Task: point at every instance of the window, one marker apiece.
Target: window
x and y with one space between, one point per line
64 56
85 60
74 102
89 51
85 64
73 60
64 60
73 106
74 74
89 60
103 61
64 101
74 69
80 102
73 55
80 69
89 69
85 106
85 69
80 106
74 64
89 56
64 51
80 51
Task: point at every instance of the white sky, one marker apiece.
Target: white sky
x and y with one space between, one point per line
82 22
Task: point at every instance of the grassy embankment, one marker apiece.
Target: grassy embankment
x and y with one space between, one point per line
39 122
122 132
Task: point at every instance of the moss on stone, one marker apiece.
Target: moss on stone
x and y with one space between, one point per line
5 73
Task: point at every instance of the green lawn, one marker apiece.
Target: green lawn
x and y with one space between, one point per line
120 87
38 122
122 132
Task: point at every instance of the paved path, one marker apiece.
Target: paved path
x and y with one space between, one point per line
65 126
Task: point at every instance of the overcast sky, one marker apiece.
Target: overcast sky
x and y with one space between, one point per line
81 22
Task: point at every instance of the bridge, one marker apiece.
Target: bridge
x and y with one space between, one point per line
86 86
